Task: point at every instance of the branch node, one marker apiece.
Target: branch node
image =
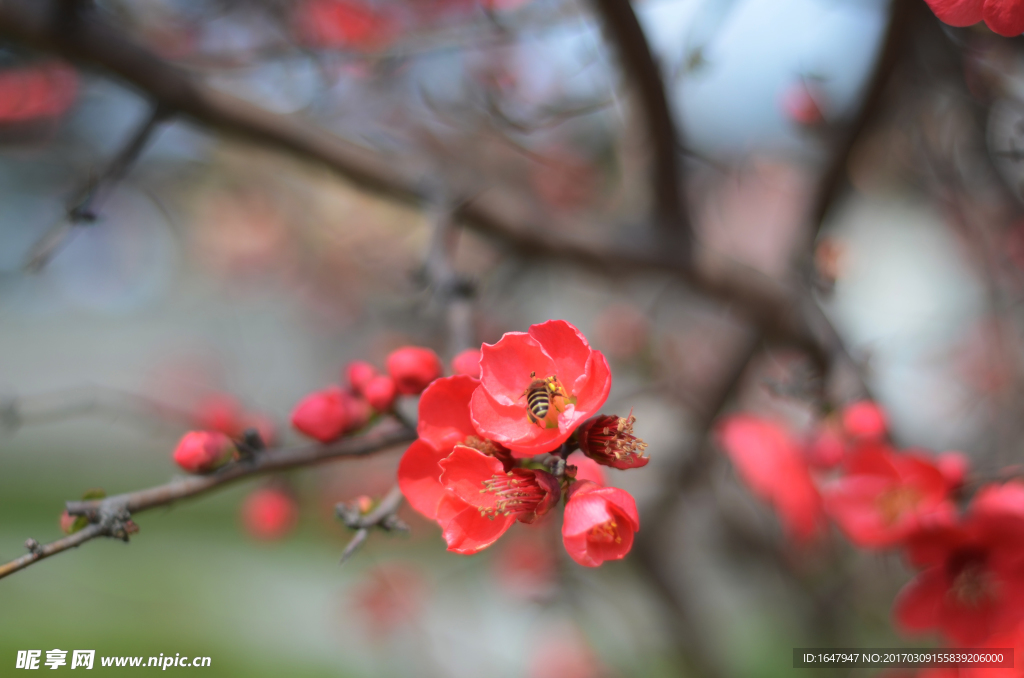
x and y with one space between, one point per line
33 547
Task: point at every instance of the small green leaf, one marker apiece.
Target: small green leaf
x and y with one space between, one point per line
95 493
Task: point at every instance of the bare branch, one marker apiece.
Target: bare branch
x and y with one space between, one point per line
671 220
384 516
109 517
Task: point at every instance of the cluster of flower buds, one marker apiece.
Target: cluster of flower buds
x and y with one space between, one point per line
494 439
970 583
335 411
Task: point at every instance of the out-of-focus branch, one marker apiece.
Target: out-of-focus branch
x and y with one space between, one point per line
673 230
384 516
111 516
770 304
18 411
86 203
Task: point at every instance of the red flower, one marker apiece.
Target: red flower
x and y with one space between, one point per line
413 368
609 440
344 24
468 363
269 514
359 373
380 392
1005 17
481 500
37 91
203 451
973 582
322 415
599 523
537 387
443 423
771 463
883 497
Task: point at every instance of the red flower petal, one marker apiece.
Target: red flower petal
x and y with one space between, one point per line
510 426
444 418
1005 17
591 393
566 346
957 12
463 473
917 604
419 477
466 531
506 367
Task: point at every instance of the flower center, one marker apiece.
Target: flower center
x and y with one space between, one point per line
897 501
972 582
516 495
605 533
545 399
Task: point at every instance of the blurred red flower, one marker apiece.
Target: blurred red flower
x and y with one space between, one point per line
37 91
269 513
552 356
322 415
413 368
973 582
344 24
1005 17
884 496
599 523
772 464
468 363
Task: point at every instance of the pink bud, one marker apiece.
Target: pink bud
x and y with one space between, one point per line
865 420
357 410
269 514
380 393
359 373
467 363
203 451
321 415
219 412
67 522
413 368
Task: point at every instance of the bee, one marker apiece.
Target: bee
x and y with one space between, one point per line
539 395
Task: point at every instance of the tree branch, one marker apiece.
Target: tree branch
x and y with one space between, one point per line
671 221
768 303
108 517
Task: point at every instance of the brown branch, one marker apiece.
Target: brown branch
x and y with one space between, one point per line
671 221
769 304
108 517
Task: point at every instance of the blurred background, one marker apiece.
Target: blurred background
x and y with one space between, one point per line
203 267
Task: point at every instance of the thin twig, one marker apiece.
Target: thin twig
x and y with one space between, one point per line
384 516
84 208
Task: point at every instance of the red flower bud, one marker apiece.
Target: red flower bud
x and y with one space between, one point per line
67 522
380 393
269 513
953 466
203 451
413 368
321 415
357 410
219 412
467 363
599 523
359 373
609 440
